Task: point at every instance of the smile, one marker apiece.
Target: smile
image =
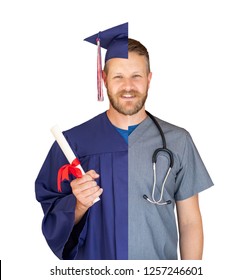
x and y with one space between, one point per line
127 96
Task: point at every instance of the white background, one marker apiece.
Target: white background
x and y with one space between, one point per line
201 61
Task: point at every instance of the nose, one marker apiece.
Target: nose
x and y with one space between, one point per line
128 84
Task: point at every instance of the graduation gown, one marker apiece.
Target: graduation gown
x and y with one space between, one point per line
103 231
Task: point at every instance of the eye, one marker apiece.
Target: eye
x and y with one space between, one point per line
135 76
118 77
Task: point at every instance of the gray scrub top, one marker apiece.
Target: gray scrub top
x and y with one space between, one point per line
153 228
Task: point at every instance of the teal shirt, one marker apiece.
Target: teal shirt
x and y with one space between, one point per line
126 132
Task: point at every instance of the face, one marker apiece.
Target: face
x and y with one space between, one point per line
127 82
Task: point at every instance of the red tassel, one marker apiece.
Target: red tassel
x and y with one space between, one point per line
99 71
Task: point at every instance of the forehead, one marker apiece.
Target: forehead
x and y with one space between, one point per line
134 62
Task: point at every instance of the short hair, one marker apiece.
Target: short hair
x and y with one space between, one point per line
137 47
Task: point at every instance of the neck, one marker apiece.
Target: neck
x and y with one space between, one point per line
124 121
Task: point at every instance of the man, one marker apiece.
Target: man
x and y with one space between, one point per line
115 148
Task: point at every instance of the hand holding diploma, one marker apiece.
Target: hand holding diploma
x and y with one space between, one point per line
84 187
86 191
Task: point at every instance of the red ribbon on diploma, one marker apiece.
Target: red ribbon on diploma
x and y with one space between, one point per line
65 170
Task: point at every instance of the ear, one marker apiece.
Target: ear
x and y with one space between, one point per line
104 77
149 79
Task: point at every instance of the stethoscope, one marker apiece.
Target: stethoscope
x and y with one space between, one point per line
164 149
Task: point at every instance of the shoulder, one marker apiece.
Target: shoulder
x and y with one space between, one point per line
90 124
87 136
172 128
177 138
95 136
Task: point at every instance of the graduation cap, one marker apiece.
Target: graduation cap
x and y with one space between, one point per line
115 41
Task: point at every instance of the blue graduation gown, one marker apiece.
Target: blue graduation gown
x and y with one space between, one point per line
103 231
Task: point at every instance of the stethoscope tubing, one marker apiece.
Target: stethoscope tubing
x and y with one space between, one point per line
154 161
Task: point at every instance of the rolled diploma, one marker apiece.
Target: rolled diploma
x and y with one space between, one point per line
66 149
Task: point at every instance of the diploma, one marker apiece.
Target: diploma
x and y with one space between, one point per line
65 147
68 152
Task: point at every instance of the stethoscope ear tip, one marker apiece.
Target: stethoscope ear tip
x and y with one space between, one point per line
157 202
145 196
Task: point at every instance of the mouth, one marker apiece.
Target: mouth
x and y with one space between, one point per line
127 96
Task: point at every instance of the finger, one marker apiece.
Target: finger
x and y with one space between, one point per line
83 187
85 178
93 174
86 190
88 199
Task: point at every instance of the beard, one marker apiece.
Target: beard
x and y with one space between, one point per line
127 108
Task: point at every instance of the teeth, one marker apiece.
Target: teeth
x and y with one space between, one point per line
127 95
